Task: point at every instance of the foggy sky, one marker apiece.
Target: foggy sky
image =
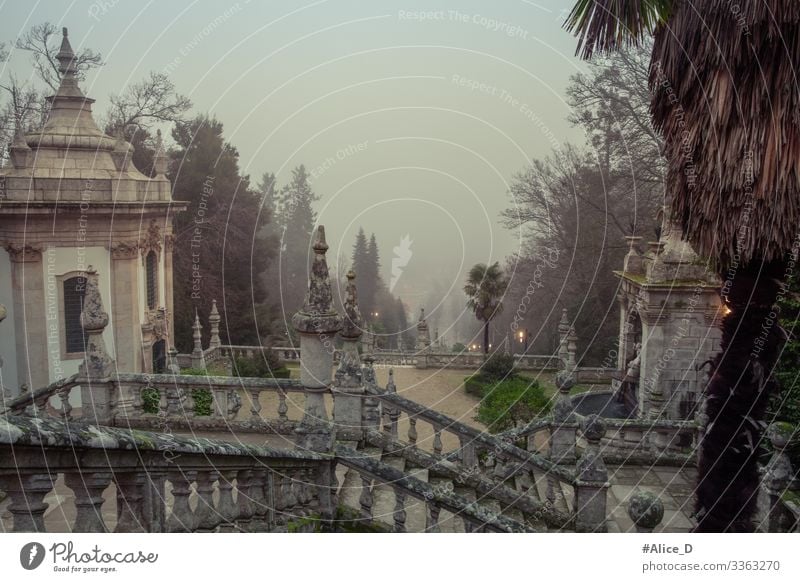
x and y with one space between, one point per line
411 116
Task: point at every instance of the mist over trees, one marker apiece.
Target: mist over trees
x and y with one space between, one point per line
576 205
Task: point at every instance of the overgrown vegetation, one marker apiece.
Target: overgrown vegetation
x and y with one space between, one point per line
202 401
151 400
507 399
267 365
785 404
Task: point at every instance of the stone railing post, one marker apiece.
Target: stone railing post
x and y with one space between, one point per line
97 398
778 474
562 434
348 386
592 480
316 322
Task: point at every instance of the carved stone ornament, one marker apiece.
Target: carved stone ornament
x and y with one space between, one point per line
152 240
24 253
125 250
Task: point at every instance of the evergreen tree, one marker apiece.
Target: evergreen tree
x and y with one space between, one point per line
296 220
217 250
361 267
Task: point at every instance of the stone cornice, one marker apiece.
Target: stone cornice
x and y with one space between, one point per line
125 250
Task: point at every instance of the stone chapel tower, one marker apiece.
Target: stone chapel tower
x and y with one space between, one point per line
71 199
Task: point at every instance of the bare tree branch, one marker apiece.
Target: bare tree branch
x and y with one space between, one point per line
149 101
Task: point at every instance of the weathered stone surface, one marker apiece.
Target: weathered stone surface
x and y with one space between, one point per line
646 510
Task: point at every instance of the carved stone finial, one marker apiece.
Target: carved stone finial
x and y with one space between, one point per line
97 364
66 56
160 158
645 510
213 322
353 322
19 151
317 316
196 334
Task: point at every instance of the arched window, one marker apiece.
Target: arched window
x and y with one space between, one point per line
151 266
74 292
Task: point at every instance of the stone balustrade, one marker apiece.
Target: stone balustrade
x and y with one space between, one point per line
154 482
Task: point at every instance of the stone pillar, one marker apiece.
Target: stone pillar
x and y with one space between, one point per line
97 367
778 475
28 288
213 322
169 297
198 362
590 494
348 387
572 350
562 435
125 307
316 322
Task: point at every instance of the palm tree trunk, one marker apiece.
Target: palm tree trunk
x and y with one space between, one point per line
736 401
486 338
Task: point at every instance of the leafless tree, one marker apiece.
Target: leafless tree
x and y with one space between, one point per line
149 101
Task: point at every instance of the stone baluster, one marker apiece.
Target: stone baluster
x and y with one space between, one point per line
778 474
399 510
316 323
181 519
371 411
391 415
213 323
432 518
255 405
562 437
412 430
645 510
283 409
592 484
66 407
437 440
469 458
154 507
27 493
206 517
88 489
365 500
130 498
260 521
225 504
244 500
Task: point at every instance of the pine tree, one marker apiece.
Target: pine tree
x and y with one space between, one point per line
216 256
296 220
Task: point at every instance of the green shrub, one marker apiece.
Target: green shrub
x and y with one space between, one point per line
261 366
498 367
475 384
194 372
785 405
202 401
151 400
508 403
458 347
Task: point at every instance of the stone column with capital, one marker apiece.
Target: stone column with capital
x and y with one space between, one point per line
317 322
28 292
348 386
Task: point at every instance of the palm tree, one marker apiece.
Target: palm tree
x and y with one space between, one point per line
485 288
725 98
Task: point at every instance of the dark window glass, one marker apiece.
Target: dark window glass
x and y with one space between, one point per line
151 263
74 292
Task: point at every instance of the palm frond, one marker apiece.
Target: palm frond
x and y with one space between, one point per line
606 25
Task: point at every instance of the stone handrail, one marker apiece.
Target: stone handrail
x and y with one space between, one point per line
531 509
177 401
40 398
153 476
472 440
476 517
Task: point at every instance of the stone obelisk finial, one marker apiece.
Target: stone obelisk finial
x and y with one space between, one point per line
316 322
213 321
348 382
